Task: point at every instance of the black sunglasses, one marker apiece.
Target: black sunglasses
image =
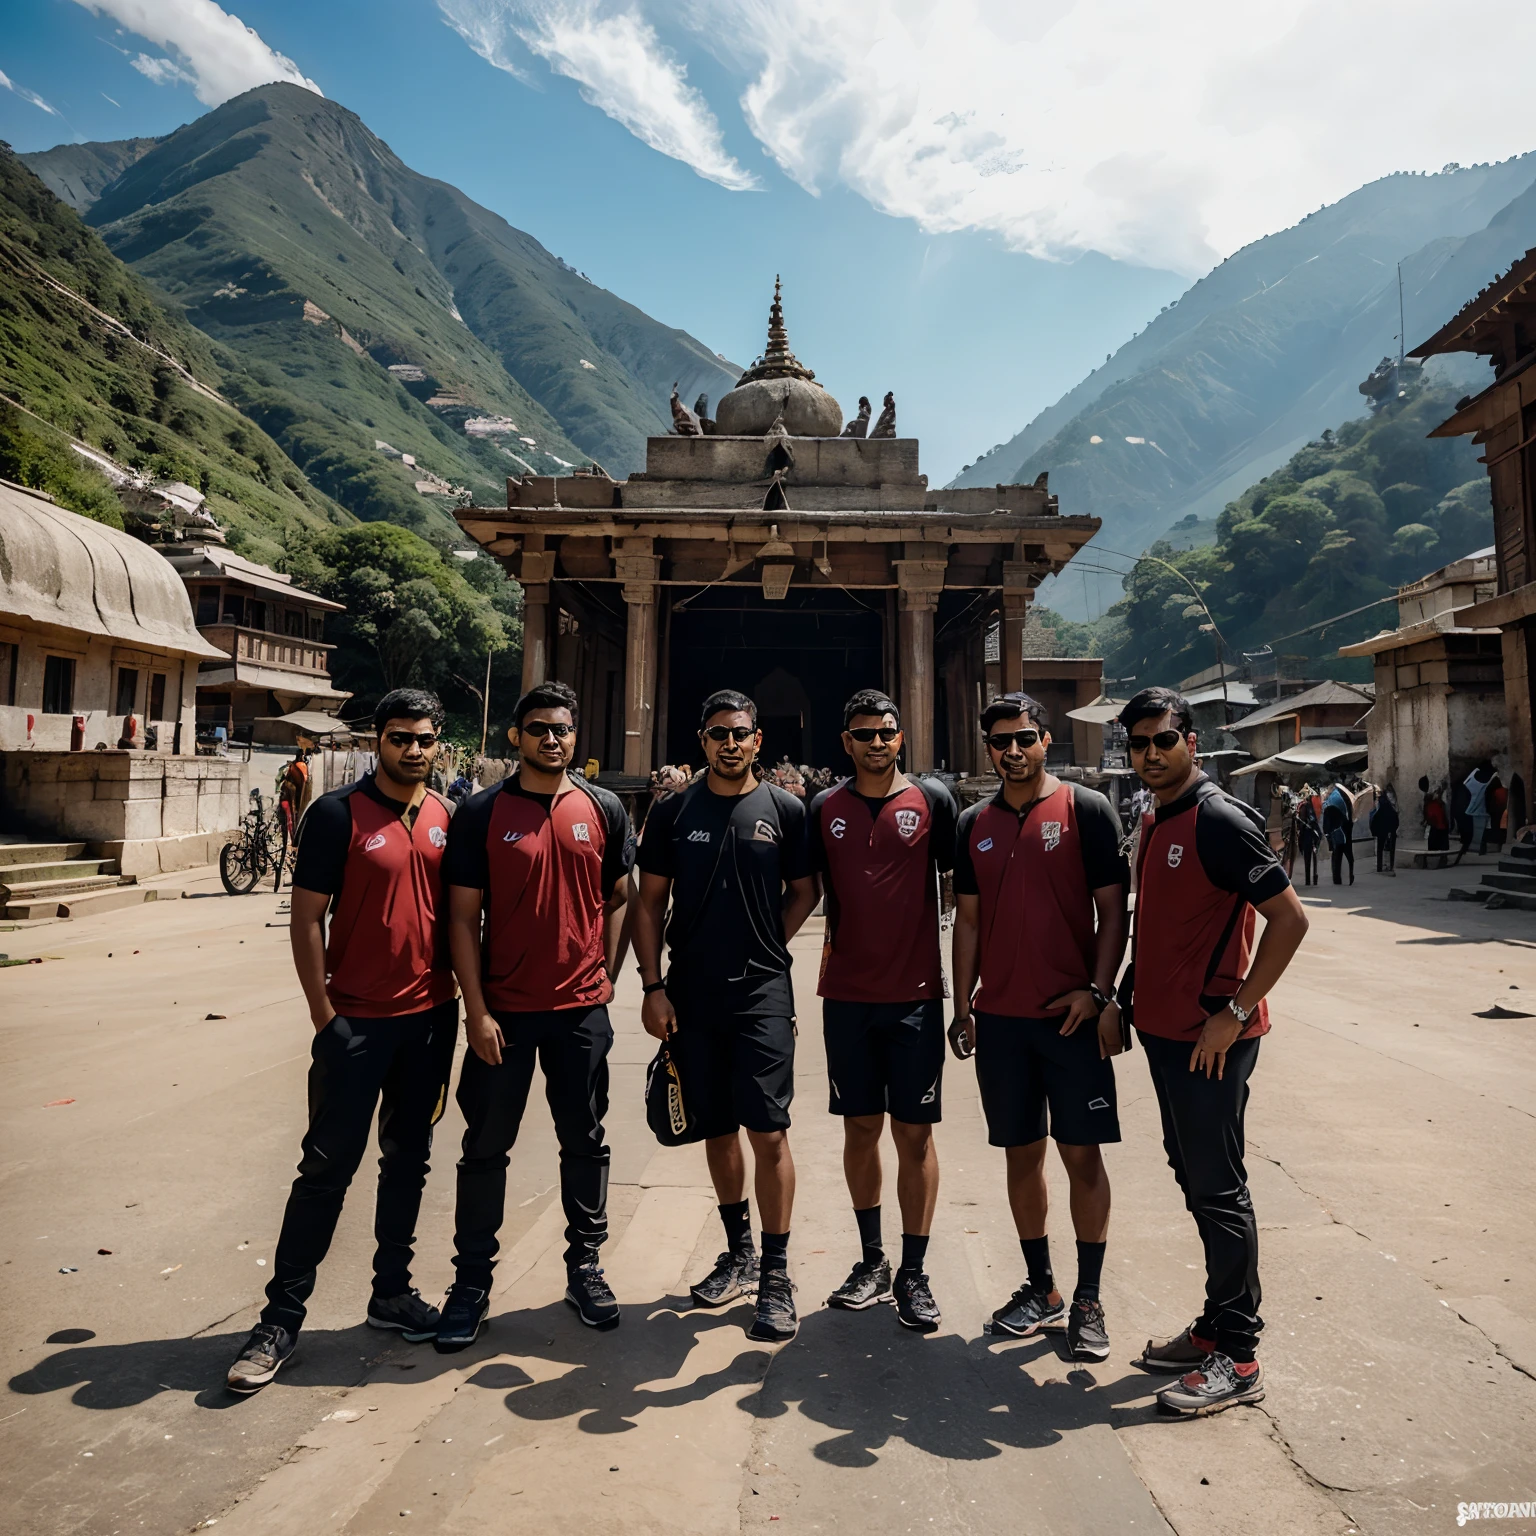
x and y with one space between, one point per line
1163 740
402 739
1002 740
867 733
543 728
729 732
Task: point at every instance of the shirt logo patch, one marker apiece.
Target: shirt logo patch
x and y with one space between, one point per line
580 833
1175 855
511 837
376 841
906 822
838 827
765 832
1258 872
698 835
984 846
1098 1103
1050 834
437 837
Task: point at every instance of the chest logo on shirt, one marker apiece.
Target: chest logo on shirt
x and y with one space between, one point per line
906 822
580 833
1050 834
511 837
984 846
1175 855
437 837
698 835
838 827
765 832
375 842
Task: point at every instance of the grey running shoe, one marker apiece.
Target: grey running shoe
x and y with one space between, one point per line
415 1320
465 1310
589 1293
734 1274
1177 1356
775 1320
867 1285
1087 1337
915 1306
268 1347
1216 1385
1028 1312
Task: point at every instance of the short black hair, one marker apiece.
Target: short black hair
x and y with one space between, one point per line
727 701
408 704
550 695
869 701
1007 705
1153 703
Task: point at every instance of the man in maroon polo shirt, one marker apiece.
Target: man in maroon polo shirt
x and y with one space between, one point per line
879 841
1040 887
1196 988
538 875
381 999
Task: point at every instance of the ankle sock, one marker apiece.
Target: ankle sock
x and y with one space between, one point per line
1245 1367
1037 1255
1090 1269
914 1250
775 1250
737 1221
869 1233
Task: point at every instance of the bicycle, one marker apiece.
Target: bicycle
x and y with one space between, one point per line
260 847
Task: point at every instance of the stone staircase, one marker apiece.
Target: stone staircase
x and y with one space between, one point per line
36 877
1512 885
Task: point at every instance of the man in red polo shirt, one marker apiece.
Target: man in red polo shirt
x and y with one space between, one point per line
879 841
538 875
1196 988
381 999
1040 886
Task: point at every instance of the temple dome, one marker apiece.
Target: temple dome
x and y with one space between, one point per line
776 385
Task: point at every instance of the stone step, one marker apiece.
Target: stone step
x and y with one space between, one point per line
1494 899
1524 851
37 890
120 896
55 869
38 853
1526 883
1509 866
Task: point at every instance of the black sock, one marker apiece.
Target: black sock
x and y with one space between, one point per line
737 1221
1037 1254
914 1250
775 1250
869 1233
1090 1267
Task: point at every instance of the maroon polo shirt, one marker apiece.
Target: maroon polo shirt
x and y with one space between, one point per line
1034 871
1204 864
879 861
386 950
547 865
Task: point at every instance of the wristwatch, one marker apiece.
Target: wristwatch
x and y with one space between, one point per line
1241 1014
1101 998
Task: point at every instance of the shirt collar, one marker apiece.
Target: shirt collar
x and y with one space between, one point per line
1000 801
1196 792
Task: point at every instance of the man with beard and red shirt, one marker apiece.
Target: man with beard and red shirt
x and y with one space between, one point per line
1040 889
381 999
1196 986
879 842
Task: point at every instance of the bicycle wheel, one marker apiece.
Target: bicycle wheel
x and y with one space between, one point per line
238 869
277 852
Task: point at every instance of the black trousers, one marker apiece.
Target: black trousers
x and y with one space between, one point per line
405 1062
1345 850
571 1045
1386 852
1309 863
1203 1137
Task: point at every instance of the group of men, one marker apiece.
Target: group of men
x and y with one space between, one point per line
524 903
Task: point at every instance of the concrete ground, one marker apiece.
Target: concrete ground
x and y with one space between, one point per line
152 1084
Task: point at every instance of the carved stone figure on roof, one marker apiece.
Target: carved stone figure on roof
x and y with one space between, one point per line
885 425
859 426
684 422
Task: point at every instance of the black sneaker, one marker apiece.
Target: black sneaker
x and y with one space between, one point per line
776 1320
1210 1388
268 1347
414 1319
465 1310
1087 1337
866 1286
915 1306
1028 1312
734 1274
588 1292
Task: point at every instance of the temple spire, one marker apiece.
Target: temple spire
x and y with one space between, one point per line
777 361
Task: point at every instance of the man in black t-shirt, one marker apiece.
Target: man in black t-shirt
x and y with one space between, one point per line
731 854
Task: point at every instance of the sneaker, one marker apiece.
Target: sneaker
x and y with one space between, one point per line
866 1286
1177 1356
775 1320
734 1274
1028 1312
1216 1385
414 1319
465 1310
915 1306
1087 1337
268 1347
588 1292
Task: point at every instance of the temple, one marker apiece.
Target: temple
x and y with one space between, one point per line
772 550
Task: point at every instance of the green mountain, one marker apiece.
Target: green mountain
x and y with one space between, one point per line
1263 354
77 173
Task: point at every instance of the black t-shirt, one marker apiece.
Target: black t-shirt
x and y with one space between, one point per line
728 858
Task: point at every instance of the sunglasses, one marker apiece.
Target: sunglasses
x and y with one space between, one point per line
730 732
402 739
543 728
1005 739
1162 741
868 733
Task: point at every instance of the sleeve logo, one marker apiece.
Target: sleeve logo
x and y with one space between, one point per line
511 837
1050 834
698 835
1258 872
906 822
984 846
580 832
437 837
375 842
765 832
1175 855
838 827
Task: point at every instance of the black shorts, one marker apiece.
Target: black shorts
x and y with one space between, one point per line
1025 1065
885 1058
735 1069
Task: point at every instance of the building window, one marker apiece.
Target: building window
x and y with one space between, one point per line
7 673
207 606
317 626
58 685
293 623
234 608
127 690
255 615
157 696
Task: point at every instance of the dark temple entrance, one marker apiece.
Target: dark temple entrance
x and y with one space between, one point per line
799 659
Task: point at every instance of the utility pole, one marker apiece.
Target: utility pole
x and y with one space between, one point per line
1402 327
485 705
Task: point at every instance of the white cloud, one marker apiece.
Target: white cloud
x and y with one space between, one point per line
215 53
619 65
26 95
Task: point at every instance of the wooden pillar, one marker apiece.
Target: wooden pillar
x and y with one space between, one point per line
637 566
535 570
919 581
663 674
1018 591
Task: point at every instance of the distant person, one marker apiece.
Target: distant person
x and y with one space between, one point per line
1339 830
1474 818
1309 837
1385 821
290 791
1437 821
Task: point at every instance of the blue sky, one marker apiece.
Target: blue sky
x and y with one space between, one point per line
938 183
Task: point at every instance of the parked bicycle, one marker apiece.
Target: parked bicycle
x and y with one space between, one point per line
259 848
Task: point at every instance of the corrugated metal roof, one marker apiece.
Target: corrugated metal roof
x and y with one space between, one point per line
1324 693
